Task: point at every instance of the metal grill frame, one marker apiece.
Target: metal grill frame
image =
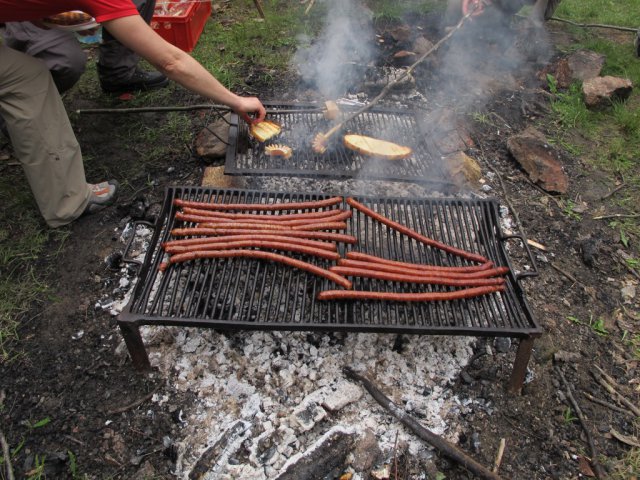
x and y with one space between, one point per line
424 167
492 245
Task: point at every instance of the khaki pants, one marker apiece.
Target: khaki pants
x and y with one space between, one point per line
42 137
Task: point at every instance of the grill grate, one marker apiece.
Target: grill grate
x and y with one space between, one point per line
251 294
301 123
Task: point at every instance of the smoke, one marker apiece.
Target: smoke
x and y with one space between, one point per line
487 55
338 58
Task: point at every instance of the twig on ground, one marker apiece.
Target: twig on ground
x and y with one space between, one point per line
6 453
609 405
566 274
631 270
439 443
309 7
617 215
609 385
259 7
597 468
75 440
135 404
498 461
594 25
612 192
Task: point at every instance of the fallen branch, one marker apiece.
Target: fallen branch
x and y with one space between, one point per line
7 457
322 138
609 405
617 215
594 25
439 443
259 7
608 383
597 468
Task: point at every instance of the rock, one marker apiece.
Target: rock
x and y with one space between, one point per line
401 33
464 170
341 395
566 357
585 64
599 92
210 141
502 344
540 160
421 45
628 293
589 249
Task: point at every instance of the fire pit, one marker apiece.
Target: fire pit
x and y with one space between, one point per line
243 293
301 122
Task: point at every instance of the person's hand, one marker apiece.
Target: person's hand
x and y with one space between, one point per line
474 6
248 106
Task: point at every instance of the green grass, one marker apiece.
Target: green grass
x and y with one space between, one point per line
393 11
608 12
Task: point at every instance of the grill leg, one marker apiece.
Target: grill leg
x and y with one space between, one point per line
135 345
520 366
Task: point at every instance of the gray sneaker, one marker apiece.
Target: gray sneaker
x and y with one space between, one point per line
102 195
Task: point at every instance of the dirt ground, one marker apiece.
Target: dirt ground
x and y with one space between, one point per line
70 373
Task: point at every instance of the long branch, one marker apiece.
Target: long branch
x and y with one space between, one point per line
594 25
428 436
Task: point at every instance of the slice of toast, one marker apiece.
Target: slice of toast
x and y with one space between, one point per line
373 147
263 131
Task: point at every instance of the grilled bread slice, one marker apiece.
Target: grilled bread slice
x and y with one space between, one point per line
373 147
263 131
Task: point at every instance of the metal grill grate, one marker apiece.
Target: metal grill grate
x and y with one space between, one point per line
252 294
301 123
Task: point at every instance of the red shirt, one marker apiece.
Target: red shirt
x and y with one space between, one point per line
101 10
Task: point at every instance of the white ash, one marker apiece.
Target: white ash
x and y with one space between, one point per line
277 373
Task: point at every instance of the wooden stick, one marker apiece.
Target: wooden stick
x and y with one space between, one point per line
259 7
135 404
498 462
597 468
6 453
609 405
439 443
594 25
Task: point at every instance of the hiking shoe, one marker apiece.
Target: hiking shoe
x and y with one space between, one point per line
102 195
140 80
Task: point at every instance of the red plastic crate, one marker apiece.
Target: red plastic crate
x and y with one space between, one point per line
183 30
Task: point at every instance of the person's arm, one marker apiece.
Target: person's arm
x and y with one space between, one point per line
179 66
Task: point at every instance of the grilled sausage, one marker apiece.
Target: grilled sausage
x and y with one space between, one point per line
407 297
415 235
321 226
267 216
327 202
328 236
364 257
197 242
488 273
266 219
268 244
261 255
421 279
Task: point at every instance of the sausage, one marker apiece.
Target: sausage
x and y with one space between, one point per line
407 297
493 272
266 216
288 247
422 279
227 238
243 225
327 202
321 226
364 257
259 254
265 220
329 236
415 235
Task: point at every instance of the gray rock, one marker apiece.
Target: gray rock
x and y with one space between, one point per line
600 92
